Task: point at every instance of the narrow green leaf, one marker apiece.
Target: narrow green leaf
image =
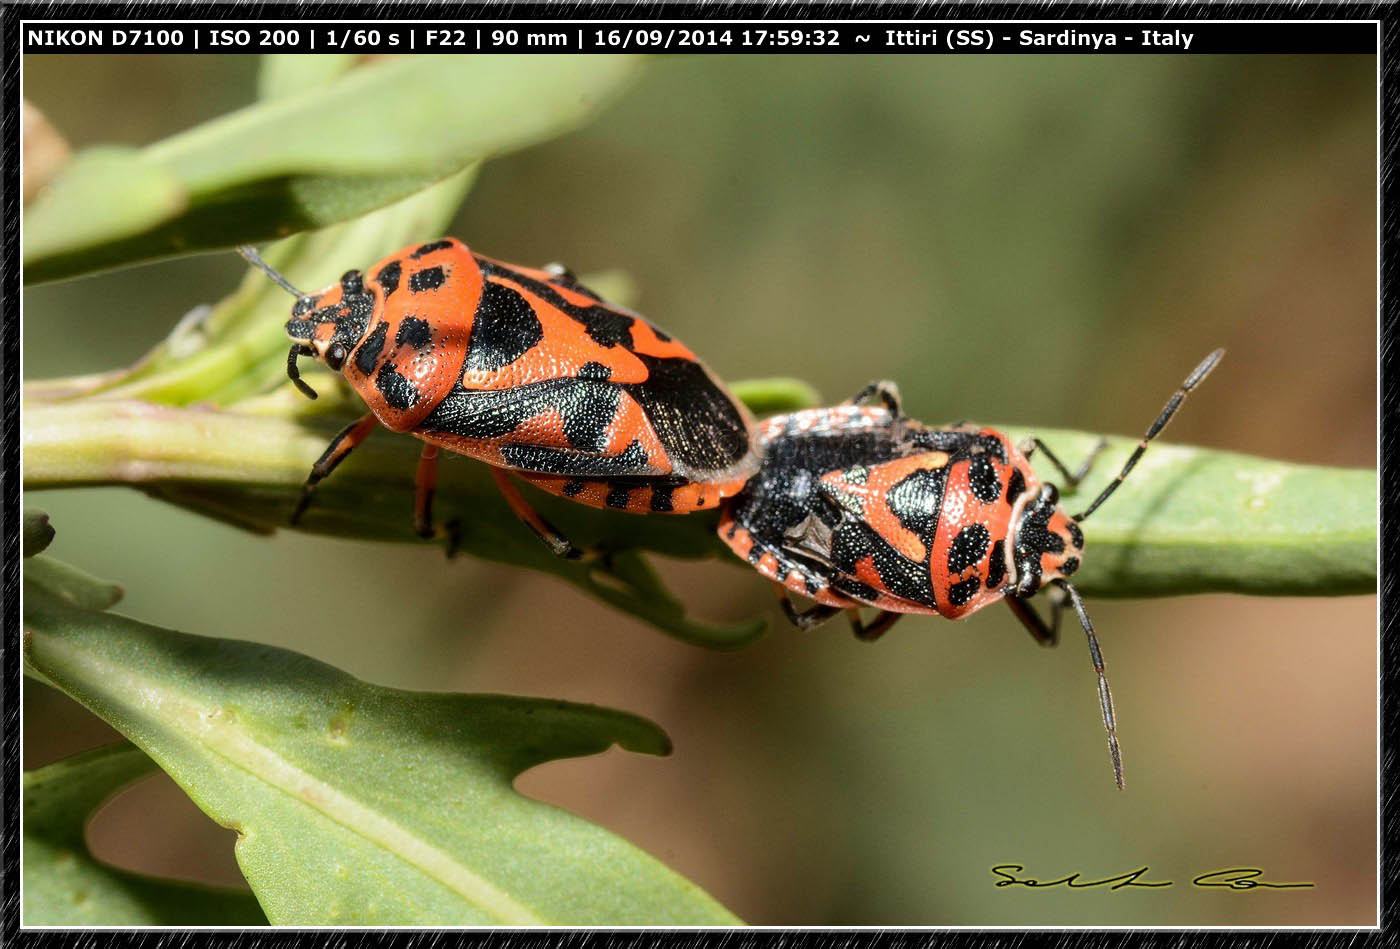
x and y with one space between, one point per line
773 396
247 470
76 586
1190 520
362 805
305 159
65 885
106 194
237 347
288 74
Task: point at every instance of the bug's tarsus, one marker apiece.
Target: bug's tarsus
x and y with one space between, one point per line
1046 634
873 630
248 253
453 530
807 619
1193 380
425 486
294 374
1110 720
1070 479
886 391
546 531
340 446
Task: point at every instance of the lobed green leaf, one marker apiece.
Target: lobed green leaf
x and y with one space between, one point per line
65 885
362 805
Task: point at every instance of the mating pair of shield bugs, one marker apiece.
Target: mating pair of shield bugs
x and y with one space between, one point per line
851 506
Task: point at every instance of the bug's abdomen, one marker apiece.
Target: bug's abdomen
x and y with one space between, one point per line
662 495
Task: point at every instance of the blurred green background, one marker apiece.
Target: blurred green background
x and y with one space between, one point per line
1043 240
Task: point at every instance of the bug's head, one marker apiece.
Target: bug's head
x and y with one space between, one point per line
1047 542
325 325
329 324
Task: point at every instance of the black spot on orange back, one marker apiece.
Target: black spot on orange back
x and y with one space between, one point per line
996 565
398 391
504 328
916 500
964 590
982 475
413 332
429 278
367 356
1015 486
388 277
967 548
426 249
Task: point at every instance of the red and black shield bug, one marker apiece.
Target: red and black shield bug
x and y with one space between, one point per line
859 505
527 370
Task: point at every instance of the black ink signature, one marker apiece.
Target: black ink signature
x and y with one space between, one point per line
1235 878
1242 878
1072 881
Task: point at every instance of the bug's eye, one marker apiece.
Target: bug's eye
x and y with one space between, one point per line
351 284
335 356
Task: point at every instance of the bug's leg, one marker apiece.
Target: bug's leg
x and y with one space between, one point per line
1058 599
543 529
567 278
869 632
425 485
453 530
1032 444
1046 635
810 618
1110 719
883 389
335 453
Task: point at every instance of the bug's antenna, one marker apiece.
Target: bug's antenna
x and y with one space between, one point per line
1174 403
294 374
249 254
1110 720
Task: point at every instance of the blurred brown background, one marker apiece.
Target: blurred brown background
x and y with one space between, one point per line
1048 240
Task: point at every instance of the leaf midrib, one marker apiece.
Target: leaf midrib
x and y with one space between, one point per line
233 745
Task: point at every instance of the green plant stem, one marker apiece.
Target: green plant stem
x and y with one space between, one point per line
1188 521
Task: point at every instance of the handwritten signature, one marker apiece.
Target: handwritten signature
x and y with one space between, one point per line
1235 878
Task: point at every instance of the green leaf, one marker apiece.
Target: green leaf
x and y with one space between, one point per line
774 396
247 470
76 586
238 347
65 885
362 805
298 160
106 194
281 75
1190 520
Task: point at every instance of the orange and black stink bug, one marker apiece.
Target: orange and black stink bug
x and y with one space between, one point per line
529 371
859 505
